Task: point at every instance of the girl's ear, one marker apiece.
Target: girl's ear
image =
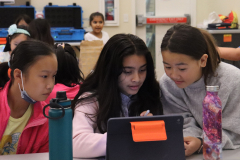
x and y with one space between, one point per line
17 76
203 60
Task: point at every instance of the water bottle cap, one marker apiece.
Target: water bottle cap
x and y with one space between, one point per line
212 88
60 100
61 95
57 103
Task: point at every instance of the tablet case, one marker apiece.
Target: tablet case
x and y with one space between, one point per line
120 144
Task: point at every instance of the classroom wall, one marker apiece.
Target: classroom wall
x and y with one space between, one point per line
89 6
204 7
129 7
125 7
20 2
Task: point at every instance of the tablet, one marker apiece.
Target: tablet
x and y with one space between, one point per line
121 146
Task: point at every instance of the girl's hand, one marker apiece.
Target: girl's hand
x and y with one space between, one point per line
191 145
143 113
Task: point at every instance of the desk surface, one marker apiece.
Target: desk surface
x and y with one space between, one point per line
227 155
71 43
224 31
34 156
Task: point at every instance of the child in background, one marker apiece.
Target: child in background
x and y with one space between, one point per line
69 76
40 30
191 61
15 36
97 22
23 20
24 129
123 84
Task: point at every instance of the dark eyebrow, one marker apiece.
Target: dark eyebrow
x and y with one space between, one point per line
48 71
179 64
133 67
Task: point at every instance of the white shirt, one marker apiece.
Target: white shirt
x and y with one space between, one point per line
90 37
4 57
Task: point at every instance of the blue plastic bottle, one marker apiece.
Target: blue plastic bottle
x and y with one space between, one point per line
60 127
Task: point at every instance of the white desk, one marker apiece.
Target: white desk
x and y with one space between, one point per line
34 156
71 43
227 155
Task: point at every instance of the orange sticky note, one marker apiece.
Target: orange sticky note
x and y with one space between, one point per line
148 131
227 38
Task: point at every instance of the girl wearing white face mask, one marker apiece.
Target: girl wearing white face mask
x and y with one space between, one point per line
26 80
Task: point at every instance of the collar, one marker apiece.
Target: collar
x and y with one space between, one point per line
198 84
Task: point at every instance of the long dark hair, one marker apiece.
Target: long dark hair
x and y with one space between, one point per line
103 82
194 42
24 17
11 37
40 30
94 15
68 69
22 57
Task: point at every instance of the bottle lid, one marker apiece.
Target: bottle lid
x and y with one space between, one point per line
212 88
60 100
61 95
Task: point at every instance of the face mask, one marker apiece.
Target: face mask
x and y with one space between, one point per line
24 94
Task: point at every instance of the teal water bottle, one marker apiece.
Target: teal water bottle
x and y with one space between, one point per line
60 127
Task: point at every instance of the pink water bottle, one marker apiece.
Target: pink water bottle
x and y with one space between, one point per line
212 124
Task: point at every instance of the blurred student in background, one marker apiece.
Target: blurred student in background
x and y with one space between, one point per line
69 76
23 20
40 30
97 22
16 34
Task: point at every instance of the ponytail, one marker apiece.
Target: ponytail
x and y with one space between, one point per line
213 55
3 74
68 71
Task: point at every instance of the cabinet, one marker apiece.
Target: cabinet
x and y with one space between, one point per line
227 38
